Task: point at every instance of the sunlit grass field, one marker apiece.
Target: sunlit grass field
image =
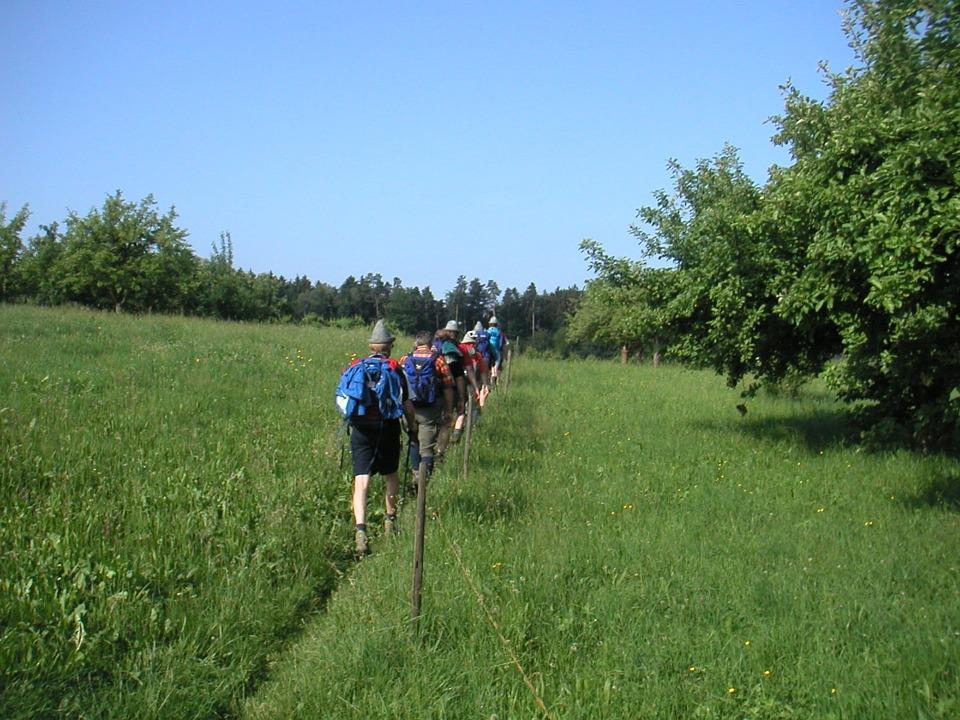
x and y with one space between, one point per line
171 507
175 534
627 545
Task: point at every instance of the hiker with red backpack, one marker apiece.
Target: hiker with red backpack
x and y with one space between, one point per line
480 367
372 396
468 383
432 392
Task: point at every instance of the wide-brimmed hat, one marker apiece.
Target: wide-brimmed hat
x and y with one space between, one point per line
493 320
469 337
453 325
381 336
478 327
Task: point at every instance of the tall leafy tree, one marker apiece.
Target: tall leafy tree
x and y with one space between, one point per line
530 304
220 285
491 298
629 305
699 230
404 308
431 311
319 301
456 300
11 251
876 171
124 256
510 312
37 275
376 293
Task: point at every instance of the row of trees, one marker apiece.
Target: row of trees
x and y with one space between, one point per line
845 262
128 256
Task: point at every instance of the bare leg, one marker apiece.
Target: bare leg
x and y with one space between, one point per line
360 484
393 486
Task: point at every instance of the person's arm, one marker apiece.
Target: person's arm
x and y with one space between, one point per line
408 410
413 426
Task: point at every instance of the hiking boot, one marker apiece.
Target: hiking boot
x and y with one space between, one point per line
389 527
362 547
455 437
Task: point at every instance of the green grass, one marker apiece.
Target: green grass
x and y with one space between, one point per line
647 552
173 522
170 508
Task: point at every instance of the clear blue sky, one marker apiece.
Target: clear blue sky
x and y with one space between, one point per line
421 140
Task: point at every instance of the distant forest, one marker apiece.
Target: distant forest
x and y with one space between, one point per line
129 257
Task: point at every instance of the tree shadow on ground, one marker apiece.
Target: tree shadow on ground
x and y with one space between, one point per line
941 490
818 430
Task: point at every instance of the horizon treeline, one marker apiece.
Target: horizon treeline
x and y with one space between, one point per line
129 257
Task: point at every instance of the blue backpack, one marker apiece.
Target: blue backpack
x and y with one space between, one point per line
422 382
369 382
483 344
496 339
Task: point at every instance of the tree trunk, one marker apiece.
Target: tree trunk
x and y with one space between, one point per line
656 353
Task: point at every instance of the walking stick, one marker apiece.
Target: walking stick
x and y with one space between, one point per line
418 547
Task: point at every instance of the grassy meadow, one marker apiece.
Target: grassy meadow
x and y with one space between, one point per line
175 537
171 508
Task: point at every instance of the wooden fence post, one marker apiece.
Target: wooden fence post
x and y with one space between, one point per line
418 546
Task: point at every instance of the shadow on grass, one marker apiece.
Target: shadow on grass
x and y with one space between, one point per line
818 430
941 491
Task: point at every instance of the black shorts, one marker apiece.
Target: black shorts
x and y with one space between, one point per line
375 448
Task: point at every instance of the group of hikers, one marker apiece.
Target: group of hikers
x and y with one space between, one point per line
425 394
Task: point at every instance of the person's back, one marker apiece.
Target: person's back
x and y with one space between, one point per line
481 370
432 392
375 437
495 338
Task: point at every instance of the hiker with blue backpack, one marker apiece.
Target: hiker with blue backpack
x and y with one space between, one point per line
432 392
482 338
497 343
372 396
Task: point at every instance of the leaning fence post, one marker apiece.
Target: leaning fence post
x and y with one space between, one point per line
418 546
